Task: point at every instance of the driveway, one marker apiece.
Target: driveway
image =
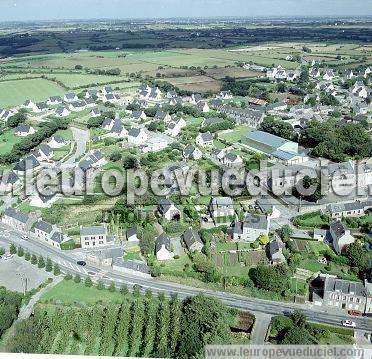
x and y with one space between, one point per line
81 138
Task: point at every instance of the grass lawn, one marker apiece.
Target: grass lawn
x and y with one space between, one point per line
79 80
69 292
235 135
16 92
8 140
318 248
175 266
310 220
298 284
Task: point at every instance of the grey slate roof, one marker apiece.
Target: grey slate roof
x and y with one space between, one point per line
163 239
206 137
131 232
44 226
93 231
266 138
212 121
338 228
256 221
9 178
57 237
18 215
133 265
190 237
26 164
344 286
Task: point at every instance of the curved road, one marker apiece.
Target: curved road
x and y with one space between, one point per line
67 262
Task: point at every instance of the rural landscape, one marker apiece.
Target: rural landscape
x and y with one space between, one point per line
168 185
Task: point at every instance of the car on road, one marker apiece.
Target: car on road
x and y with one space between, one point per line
25 238
81 263
8 256
348 323
355 313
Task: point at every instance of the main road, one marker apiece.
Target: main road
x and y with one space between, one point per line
67 262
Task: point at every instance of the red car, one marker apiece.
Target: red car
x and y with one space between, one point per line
355 313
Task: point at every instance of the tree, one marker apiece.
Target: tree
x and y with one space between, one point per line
2 251
56 269
13 249
295 336
264 239
27 256
285 232
20 252
68 276
204 320
130 162
112 287
278 128
100 285
41 262
49 265
88 282
115 156
357 256
124 289
299 319
269 278
33 259
77 278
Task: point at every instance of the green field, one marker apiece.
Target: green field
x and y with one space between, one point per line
7 141
69 292
16 92
235 135
80 80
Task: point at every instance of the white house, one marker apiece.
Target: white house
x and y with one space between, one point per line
251 228
24 130
175 127
163 248
205 139
61 112
232 160
77 106
203 107
18 220
138 116
30 105
57 142
50 234
54 100
329 75
341 236
93 237
70 97
225 95
137 136
132 234
221 207
8 181
168 210
191 152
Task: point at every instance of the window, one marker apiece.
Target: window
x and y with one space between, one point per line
100 242
87 243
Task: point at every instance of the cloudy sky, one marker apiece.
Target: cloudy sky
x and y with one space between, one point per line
87 9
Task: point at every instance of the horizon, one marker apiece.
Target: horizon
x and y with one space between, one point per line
74 10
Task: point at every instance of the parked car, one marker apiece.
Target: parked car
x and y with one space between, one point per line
355 313
8 256
81 263
25 238
348 323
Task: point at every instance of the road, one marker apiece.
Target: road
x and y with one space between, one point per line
67 262
81 138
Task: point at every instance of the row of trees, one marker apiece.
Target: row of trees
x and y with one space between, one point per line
145 326
10 303
27 144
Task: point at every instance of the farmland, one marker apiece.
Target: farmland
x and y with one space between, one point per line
15 92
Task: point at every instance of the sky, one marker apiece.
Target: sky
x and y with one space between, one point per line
15 10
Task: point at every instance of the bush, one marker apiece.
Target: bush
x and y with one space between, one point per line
41 262
68 276
88 282
77 278
100 285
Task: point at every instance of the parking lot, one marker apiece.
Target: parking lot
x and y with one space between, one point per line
16 271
